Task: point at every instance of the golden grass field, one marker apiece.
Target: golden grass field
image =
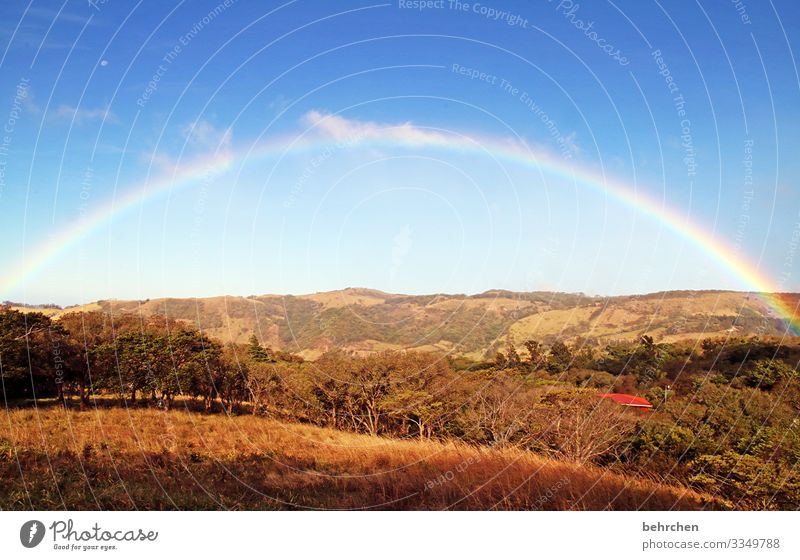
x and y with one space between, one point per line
122 459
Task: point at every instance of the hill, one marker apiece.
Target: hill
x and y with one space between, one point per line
122 459
365 320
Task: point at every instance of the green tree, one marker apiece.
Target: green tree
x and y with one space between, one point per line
330 385
372 383
648 358
141 361
536 354
512 357
421 389
257 352
560 358
195 367
764 374
27 354
231 379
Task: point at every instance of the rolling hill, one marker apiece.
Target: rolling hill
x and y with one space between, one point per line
364 320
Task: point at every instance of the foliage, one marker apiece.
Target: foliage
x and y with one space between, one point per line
746 481
256 352
560 358
765 373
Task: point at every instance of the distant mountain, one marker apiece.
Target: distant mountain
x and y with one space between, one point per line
366 320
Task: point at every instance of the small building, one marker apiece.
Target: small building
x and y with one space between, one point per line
627 400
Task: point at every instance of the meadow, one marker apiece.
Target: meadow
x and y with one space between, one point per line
112 458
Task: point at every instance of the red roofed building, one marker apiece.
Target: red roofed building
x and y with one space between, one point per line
627 400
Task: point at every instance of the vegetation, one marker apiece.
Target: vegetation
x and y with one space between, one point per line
724 421
476 325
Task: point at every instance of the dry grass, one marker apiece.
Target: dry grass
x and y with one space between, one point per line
234 318
54 312
348 297
115 458
627 318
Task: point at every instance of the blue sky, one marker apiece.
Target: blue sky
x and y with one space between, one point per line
693 104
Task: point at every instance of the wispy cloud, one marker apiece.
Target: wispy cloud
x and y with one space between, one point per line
351 131
81 115
344 129
26 99
49 15
279 103
203 134
570 148
33 37
206 146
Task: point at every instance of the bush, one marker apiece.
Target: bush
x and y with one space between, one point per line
746 481
764 374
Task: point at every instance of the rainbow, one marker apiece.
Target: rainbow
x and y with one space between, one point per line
409 136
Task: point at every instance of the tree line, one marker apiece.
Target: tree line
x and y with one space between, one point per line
88 354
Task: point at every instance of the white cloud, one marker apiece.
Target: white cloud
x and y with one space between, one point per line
344 129
352 131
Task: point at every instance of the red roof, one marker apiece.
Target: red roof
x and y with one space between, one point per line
627 400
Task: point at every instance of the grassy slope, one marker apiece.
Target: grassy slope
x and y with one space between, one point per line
367 320
146 459
666 317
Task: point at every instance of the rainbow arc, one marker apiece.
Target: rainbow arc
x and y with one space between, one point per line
502 151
